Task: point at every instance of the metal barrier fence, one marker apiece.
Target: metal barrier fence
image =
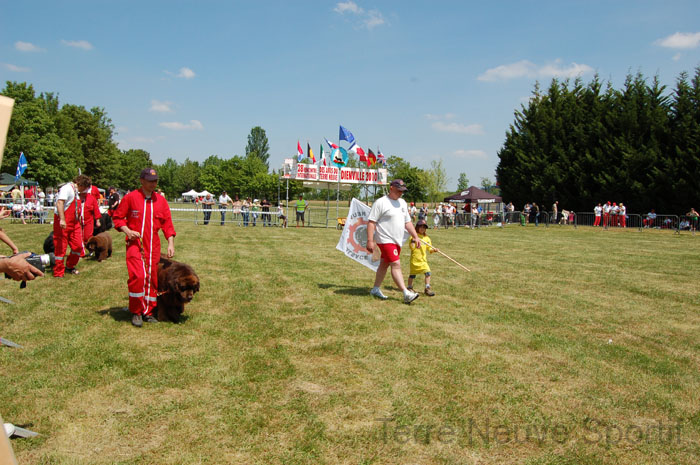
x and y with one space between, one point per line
689 223
198 215
671 222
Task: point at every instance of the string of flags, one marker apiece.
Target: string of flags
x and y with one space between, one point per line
339 156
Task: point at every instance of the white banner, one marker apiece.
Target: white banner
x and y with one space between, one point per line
354 238
311 172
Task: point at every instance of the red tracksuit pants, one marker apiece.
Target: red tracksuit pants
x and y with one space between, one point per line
143 278
62 239
597 221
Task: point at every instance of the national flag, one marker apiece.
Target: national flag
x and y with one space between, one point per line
331 144
21 166
300 152
310 153
354 148
371 158
380 157
346 135
323 156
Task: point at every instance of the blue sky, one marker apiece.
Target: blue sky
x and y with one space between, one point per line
419 79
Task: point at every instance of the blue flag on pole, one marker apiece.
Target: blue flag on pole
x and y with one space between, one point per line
346 135
21 166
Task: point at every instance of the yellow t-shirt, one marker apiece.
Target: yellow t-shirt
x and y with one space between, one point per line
419 256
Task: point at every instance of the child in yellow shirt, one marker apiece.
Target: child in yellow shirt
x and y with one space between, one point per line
419 257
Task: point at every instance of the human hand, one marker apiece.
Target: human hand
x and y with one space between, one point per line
4 213
370 246
19 269
63 224
131 234
171 251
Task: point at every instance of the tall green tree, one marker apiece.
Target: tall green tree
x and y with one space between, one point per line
414 177
462 182
435 180
258 145
33 130
584 144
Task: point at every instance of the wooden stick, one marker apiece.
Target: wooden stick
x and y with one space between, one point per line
446 256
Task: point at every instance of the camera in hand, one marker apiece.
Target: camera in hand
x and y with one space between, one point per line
41 262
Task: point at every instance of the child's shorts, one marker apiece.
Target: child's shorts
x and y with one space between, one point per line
413 276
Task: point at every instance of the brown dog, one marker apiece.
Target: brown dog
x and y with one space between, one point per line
101 246
177 284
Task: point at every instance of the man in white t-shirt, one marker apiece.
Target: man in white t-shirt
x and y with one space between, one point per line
224 201
67 231
388 220
598 211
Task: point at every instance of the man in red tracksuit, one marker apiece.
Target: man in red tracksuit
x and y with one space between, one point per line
140 215
90 214
66 226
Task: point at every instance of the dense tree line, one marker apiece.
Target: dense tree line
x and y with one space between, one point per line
584 144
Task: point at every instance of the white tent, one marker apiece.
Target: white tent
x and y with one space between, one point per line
192 193
204 193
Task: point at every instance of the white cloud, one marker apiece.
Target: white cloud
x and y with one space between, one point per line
571 71
676 57
469 153
374 18
349 6
27 47
522 68
160 107
186 73
368 19
475 129
15 68
527 69
193 125
682 40
84 44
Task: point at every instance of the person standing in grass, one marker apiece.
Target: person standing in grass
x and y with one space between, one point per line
693 216
66 226
598 212
419 257
389 218
267 220
301 205
207 203
140 215
224 201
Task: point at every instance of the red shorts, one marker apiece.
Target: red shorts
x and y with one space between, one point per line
390 252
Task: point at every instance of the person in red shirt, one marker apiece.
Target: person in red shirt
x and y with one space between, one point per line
95 193
90 214
66 226
140 215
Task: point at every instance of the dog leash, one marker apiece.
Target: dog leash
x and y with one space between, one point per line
148 274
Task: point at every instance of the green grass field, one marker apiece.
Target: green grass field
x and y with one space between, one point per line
562 346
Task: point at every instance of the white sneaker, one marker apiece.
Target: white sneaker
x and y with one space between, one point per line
376 292
410 296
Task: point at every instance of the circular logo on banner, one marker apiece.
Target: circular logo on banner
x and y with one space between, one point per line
339 156
357 236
